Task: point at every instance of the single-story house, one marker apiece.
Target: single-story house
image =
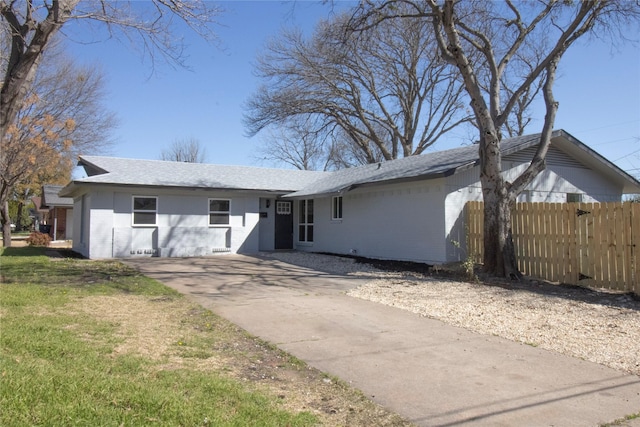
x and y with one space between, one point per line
57 213
407 209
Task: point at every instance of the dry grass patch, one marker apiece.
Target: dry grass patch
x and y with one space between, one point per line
141 328
177 334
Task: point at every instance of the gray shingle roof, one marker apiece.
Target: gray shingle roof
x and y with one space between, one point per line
119 171
299 184
51 199
425 166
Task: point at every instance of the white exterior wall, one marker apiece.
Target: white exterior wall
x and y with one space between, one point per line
81 218
400 221
100 224
551 186
182 226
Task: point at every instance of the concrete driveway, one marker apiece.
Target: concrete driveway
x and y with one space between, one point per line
427 371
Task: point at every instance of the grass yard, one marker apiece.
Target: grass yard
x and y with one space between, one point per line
60 365
96 343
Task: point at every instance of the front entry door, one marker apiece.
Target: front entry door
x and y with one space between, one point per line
284 224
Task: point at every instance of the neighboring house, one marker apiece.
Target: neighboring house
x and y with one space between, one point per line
406 209
57 213
37 213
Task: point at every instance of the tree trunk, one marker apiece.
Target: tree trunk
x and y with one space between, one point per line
6 224
499 251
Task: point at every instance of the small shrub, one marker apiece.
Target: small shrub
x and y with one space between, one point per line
468 264
38 239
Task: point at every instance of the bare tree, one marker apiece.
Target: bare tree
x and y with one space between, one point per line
506 43
295 145
384 90
185 150
31 25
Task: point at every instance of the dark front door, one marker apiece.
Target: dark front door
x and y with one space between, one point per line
284 224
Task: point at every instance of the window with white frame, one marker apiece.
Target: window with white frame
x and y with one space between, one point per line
283 208
145 210
305 221
219 210
336 208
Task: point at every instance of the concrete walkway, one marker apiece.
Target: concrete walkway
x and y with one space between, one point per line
427 371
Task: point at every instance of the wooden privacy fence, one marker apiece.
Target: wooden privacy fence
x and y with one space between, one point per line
591 244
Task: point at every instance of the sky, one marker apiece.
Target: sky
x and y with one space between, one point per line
598 89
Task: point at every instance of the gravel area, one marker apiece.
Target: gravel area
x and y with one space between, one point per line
600 327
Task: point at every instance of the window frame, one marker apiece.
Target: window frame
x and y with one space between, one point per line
336 208
305 221
219 212
135 211
283 207
579 196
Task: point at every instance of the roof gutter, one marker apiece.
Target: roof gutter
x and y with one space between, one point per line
72 188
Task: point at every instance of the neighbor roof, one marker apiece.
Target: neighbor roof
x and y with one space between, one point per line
51 199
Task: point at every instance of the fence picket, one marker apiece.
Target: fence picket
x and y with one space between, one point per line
556 242
568 243
628 266
596 245
590 258
609 233
574 253
635 246
619 244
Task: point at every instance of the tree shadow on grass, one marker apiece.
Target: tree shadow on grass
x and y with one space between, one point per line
31 251
24 251
64 267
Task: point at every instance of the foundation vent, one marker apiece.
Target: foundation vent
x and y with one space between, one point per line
220 250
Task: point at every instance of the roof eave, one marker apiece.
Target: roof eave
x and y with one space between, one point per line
423 177
90 168
630 185
73 187
590 158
